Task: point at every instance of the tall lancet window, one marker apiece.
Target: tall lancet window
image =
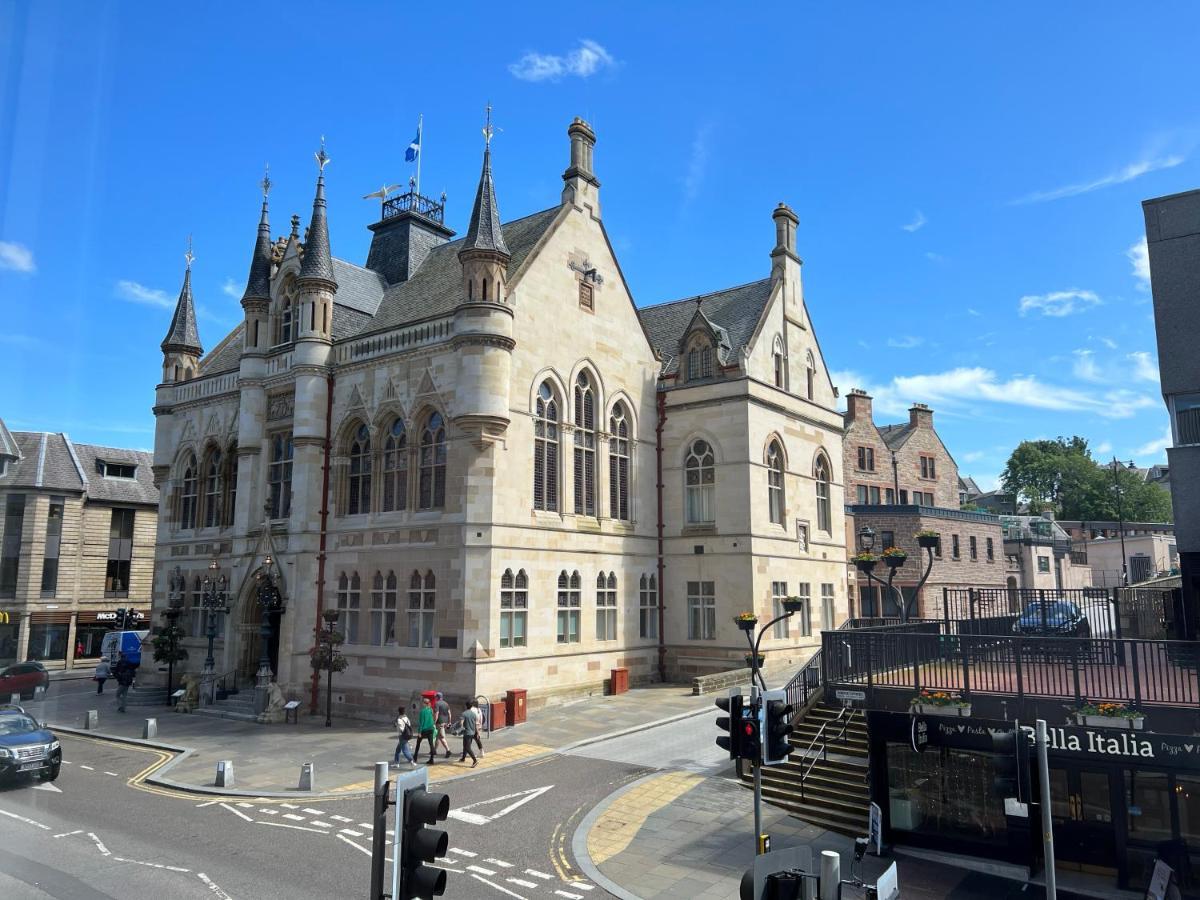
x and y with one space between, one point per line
287 311
359 499
395 468
433 463
212 489
585 446
187 503
545 450
775 483
618 463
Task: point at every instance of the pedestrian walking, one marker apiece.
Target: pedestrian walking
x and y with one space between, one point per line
404 735
476 739
470 728
124 675
442 718
425 729
101 676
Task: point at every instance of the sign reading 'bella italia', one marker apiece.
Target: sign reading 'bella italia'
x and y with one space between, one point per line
1096 742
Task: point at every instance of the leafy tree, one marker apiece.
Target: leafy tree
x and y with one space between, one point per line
1041 472
167 645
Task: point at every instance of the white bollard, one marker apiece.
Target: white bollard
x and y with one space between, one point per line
150 729
225 773
831 875
306 777
91 720
14 699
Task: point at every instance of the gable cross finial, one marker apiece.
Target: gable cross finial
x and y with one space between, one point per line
189 256
266 181
322 157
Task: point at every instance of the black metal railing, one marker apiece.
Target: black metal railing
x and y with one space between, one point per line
1133 671
224 685
805 683
414 202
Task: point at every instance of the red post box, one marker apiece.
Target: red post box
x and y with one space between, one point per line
515 700
619 681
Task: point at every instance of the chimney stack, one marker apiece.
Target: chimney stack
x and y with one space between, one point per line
858 405
920 416
582 187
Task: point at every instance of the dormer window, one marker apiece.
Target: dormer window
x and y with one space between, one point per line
700 359
114 470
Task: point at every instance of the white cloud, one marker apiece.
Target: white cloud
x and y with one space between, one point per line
1102 449
17 257
1139 258
905 342
973 312
1144 367
1120 176
1085 366
584 61
964 387
139 293
972 456
1156 447
697 163
1109 343
916 224
934 257
1059 303
230 289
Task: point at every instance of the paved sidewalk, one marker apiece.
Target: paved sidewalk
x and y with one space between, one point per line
267 758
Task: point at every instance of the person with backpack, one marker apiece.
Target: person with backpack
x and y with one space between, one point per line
124 675
425 729
405 729
470 729
103 671
475 739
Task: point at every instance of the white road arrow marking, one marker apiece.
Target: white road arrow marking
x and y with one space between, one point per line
493 884
236 812
25 820
479 819
48 786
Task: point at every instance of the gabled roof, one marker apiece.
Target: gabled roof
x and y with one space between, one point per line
734 311
8 445
227 355
139 489
53 462
895 436
968 484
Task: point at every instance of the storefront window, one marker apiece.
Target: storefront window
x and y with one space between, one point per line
8 643
1149 806
87 640
47 641
944 791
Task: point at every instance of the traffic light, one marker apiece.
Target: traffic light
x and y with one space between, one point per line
420 845
1011 751
777 725
751 736
731 724
120 618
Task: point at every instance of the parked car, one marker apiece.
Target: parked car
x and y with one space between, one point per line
1054 618
21 678
27 748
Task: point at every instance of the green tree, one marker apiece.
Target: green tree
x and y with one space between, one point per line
1041 473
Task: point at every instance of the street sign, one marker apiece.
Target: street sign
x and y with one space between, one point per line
887 885
851 695
875 829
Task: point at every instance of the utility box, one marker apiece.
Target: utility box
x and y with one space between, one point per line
619 681
515 701
497 709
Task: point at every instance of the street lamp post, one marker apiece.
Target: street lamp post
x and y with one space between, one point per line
867 561
270 601
327 636
214 599
1121 520
172 613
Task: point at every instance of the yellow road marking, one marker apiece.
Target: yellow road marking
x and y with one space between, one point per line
619 824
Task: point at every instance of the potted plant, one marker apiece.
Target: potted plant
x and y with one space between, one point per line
746 621
928 540
793 604
939 703
864 562
894 557
1109 715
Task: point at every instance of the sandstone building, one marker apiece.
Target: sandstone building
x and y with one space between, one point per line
499 470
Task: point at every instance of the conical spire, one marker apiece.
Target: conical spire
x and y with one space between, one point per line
317 262
484 232
183 336
258 285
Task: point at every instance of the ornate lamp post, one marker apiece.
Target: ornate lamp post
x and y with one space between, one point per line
214 599
894 559
270 601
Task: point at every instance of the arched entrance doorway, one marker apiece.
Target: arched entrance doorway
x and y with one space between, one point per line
250 635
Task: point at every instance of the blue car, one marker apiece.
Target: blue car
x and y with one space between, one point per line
26 748
1055 618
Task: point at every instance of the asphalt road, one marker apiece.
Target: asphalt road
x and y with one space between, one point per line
97 833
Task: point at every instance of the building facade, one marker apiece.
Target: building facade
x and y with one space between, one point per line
499 471
1173 243
78 525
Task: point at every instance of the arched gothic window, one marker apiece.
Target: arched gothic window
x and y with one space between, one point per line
421 608
606 607
700 484
383 609
395 468
359 496
821 474
618 463
433 463
279 475
349 604
187 496
212 489
775 482
585 446
569 595
514 608
700 357
287 311
230 479
545 449
780 360
810 367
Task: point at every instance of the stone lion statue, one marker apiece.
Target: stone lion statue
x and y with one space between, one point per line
275 702
191 694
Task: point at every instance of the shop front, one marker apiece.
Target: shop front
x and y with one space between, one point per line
1119 799
10 635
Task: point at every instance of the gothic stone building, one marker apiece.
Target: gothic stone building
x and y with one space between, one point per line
499 471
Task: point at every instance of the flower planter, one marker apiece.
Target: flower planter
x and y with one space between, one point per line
793 604
895 562
932 709
746 624
762 661
1125 722
866 567
927 541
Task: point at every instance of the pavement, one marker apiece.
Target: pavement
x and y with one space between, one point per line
267 759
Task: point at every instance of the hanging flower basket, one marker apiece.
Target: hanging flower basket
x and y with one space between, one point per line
750 661
1109 715
746 621
940 703
928 539
793 604
865 562
894 557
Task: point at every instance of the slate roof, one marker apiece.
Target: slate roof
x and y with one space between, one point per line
227 355
484 231
895 436
8 445
183 334
258 285
317 263
736 311
139 489
53 462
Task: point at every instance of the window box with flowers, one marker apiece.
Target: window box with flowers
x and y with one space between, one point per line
746 621
1109 715
928 539
940 703
894 557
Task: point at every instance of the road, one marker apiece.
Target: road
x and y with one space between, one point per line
98 832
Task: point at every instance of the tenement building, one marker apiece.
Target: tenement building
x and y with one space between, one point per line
496 469
78 524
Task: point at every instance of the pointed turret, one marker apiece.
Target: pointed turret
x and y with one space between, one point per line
256 300
317 262
181 347
484 255
484 232
317 283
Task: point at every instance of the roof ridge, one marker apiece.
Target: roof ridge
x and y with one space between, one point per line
75 459
695 297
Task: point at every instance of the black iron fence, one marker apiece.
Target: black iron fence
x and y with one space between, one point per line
926 656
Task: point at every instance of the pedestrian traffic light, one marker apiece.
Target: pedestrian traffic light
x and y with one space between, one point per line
777 725
751 736
730 725
420 845
1011 757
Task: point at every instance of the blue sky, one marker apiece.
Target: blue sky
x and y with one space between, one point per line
968 179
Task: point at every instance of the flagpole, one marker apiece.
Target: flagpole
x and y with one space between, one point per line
420 147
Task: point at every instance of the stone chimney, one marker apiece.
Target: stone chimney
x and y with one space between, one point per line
920 416
858 405
582 187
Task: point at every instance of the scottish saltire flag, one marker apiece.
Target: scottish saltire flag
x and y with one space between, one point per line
414 148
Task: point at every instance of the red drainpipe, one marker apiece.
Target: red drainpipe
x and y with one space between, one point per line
662 587
316 676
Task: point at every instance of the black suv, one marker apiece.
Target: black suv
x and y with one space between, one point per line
26 748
